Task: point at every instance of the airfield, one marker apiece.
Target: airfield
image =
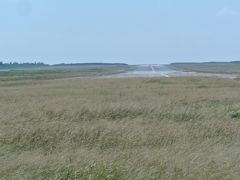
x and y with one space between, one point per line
162 70
119 122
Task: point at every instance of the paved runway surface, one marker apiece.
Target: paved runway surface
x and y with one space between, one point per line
164 71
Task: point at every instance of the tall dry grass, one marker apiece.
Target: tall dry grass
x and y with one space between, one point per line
156 128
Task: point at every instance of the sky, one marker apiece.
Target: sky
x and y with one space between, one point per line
128 31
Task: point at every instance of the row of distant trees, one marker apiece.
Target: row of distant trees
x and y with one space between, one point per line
61 64
12 65
16 63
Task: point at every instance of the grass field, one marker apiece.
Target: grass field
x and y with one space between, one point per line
209 67
60 72
139 128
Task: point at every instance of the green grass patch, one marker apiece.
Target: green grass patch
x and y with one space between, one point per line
235 114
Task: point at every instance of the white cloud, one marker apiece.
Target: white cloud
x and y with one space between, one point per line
227 12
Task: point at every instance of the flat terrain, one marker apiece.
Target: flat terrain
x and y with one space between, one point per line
179 70
209 67
138 128
18 75
148 71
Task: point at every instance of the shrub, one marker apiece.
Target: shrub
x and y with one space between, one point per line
235 114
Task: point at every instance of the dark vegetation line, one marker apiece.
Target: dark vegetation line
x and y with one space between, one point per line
232 67
11 72
16 65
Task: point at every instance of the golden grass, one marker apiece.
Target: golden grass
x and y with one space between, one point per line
140 128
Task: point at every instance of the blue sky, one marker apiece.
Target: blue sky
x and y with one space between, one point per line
130 31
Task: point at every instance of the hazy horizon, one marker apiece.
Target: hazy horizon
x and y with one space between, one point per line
132 32
93 62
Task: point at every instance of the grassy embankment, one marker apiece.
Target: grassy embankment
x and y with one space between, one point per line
209 67
160 128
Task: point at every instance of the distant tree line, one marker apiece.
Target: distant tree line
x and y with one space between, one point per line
91 64
27 63
11 65
16 65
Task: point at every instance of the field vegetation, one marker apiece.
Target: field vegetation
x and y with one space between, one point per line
209 67
22 73
139 128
